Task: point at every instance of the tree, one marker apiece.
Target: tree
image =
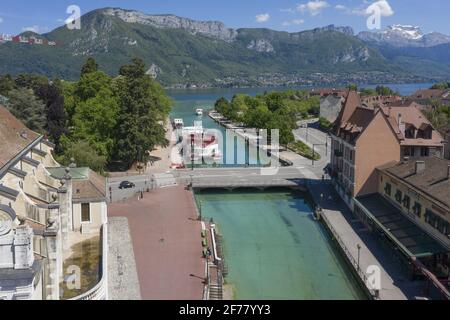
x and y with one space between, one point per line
83 154
56 115
89 67
144 108
384 91
352 87
6 84
25 106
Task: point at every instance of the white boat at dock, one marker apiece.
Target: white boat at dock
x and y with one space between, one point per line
199 112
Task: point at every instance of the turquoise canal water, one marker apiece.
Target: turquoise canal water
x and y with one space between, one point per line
274 249
187 101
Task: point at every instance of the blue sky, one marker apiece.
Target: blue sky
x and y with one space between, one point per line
288 15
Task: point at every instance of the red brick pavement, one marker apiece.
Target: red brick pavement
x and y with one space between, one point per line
167 243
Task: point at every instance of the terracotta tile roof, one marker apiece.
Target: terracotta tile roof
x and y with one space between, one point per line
14 136
431 94
86 184
434 180
352 101
411 116
354 118
329 91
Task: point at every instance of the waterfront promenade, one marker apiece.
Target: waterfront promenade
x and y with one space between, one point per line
166 239
395 284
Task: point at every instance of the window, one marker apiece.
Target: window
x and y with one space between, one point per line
417 209
399 196
388 189
85 212
406 202
437 222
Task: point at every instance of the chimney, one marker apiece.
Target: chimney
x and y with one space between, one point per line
420 166
401 124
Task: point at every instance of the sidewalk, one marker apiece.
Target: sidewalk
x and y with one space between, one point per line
166 239
394 284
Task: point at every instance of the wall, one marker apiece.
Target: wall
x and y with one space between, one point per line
98 215
376 146
426 202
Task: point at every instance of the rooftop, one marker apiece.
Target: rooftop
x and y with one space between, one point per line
433 179
14 135
413 240
86 183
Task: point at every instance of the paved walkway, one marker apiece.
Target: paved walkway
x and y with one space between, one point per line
123 282
394 283
167 243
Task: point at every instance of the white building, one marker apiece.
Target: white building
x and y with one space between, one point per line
46 212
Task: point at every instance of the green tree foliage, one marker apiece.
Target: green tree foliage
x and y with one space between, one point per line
271 110
325 124
384 91
144 108
25 106
83 153
56 117
89 67
441 85
6 84
93 107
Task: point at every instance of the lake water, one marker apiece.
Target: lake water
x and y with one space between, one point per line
274 249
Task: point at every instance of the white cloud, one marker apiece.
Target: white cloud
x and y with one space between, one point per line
383 6
293 22
313 7
340 7
35 28
261 18
288 10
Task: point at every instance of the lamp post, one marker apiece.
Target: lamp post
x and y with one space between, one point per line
359 253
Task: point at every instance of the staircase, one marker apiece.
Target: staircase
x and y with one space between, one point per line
215 292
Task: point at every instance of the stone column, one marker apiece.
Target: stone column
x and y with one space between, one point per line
23 247
65 209
53 242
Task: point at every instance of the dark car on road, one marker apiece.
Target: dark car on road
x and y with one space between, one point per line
126 185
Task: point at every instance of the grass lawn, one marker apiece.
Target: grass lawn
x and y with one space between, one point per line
304 150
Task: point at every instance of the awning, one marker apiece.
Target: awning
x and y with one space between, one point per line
410 238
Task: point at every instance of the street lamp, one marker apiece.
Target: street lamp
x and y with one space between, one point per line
359 253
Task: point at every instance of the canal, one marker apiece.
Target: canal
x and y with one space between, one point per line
274 249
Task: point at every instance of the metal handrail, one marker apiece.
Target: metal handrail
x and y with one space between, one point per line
349 256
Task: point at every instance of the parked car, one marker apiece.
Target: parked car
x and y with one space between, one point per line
126 185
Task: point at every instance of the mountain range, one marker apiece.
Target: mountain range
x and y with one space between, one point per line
182 52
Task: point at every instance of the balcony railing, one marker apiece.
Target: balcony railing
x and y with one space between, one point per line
100 291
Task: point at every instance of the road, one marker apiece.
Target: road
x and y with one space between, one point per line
302 168
309 134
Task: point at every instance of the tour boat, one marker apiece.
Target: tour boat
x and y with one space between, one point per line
178 123
206 146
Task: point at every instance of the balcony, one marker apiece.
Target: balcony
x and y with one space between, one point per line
100 290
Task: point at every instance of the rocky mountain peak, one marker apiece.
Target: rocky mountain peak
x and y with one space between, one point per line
213 29
404 36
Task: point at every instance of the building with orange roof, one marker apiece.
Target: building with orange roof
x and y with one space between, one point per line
364 138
